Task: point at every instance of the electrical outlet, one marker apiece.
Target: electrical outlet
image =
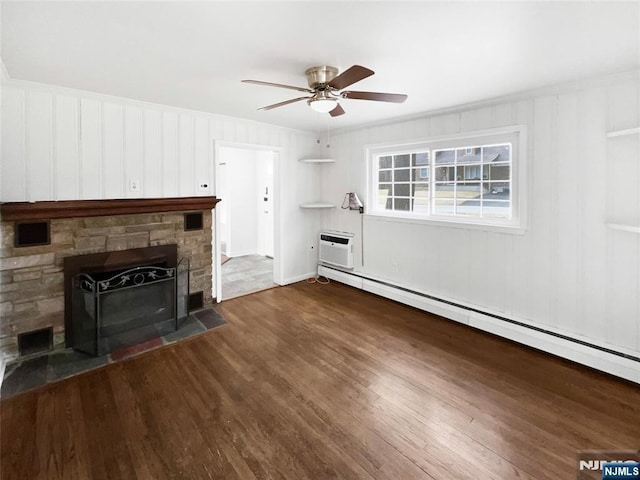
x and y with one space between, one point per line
134 185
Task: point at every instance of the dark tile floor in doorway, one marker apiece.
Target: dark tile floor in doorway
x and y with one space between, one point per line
246 274
28 373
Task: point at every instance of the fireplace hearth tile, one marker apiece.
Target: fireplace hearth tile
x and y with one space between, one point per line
25 375
71 362
191 326
210 318
135 349
135 337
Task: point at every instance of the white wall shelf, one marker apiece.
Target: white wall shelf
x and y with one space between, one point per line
317 205
317 160
624 227
622 133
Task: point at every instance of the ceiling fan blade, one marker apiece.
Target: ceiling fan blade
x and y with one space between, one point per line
376 96
282 104
279 85
350 76
336 112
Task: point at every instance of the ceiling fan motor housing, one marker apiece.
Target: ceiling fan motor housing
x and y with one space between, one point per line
320 75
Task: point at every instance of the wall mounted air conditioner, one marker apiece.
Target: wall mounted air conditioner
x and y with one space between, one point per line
336 248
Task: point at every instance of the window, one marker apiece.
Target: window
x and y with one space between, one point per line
465 179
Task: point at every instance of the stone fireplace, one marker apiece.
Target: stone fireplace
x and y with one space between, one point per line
32 278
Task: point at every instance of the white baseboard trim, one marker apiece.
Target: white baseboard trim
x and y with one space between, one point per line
580 351
298 278
242 253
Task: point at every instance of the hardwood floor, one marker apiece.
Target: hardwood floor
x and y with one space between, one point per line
317 381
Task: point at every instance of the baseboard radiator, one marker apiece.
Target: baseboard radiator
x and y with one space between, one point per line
600 357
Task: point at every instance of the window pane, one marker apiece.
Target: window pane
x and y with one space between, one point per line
469 172
468 199
384 162
401 204
401 175
420 190
445 190
445 157
496 153
496 209
420 159
402 189
469 208
420 197
384 176
401 161
469 155
384 192
420 174
444 207
497 172
445 174
497 191
467 191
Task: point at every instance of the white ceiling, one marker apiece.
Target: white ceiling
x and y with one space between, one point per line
194 54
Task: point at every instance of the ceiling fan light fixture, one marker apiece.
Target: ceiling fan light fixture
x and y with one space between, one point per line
322 105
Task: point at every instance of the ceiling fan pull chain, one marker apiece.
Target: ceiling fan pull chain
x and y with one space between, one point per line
328 143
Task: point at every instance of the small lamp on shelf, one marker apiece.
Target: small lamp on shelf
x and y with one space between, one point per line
352 202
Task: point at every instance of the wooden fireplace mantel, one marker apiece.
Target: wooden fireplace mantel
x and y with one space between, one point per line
21 211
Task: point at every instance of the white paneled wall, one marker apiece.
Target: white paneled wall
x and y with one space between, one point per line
64 144
569 272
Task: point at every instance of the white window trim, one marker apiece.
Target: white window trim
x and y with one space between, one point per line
516 225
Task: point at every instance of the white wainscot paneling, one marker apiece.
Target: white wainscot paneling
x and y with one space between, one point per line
170 158
67 160
39 155
113 150
187 155
203 163
13 173
91 149
567 195
133 152
153 156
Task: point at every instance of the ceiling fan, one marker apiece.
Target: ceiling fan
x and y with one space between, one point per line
325 85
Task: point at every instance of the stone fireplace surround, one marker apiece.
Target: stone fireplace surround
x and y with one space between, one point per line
32 278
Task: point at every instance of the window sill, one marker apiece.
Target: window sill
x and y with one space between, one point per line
510 229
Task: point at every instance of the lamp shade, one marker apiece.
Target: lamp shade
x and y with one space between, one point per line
352 202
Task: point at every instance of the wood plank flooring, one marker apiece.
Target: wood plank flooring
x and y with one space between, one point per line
317 381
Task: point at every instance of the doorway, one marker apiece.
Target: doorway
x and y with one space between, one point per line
245 257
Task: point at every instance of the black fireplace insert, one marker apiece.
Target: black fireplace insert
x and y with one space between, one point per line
119 303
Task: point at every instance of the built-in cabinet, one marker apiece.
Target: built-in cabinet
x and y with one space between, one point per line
318 204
